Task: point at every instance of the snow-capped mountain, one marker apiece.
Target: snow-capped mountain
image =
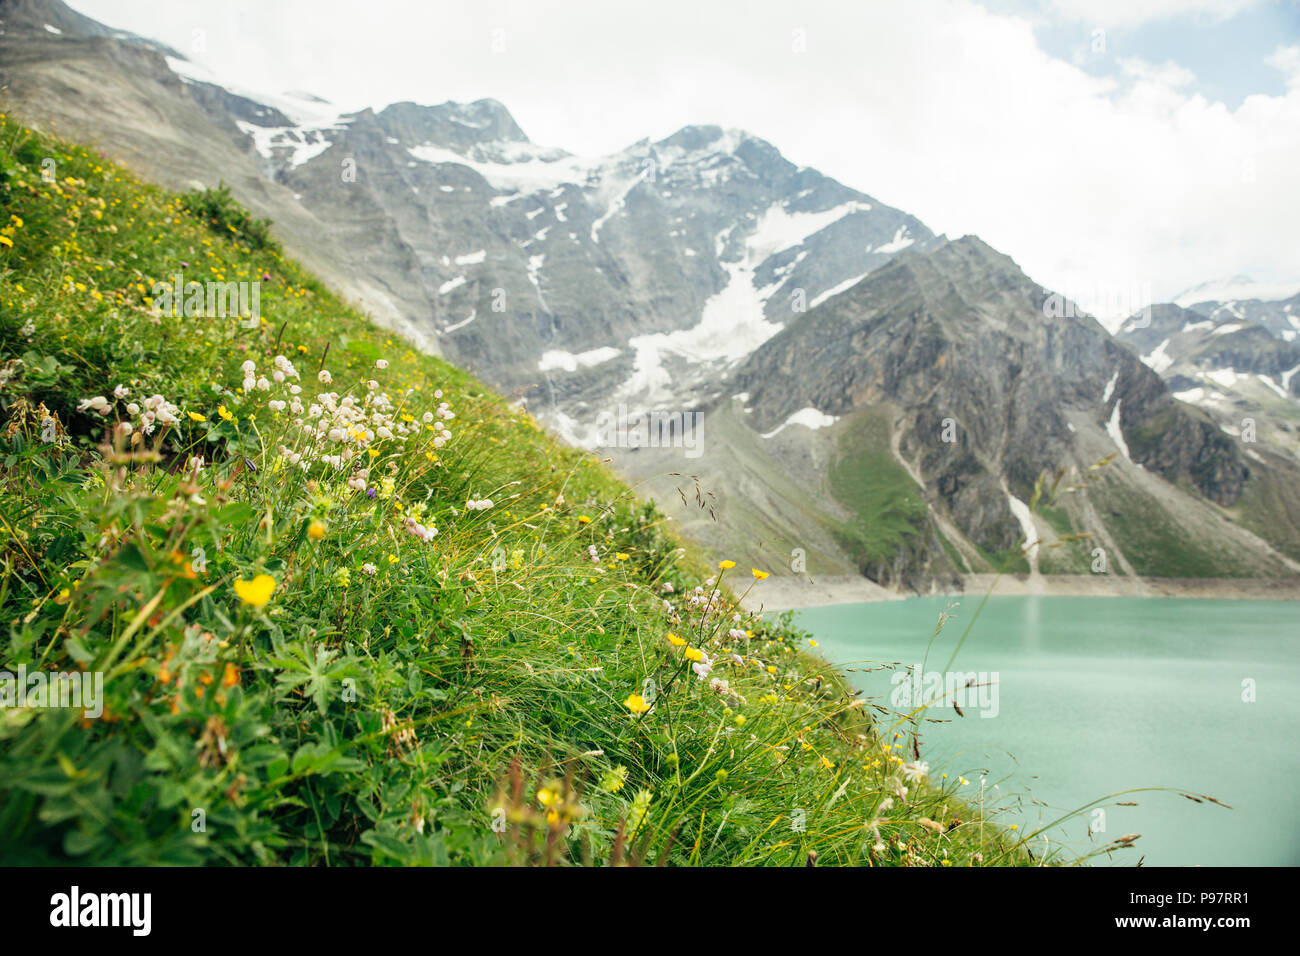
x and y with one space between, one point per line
1274 305
824 337
569 282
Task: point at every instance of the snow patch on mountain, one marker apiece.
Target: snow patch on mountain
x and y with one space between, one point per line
900 242
1159 359
779 229
1114 431
807 417
558 359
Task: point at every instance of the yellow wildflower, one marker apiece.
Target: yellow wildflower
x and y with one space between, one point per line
257 591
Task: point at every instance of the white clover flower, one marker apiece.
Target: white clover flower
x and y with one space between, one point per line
248 368
369 569
276 405
250 383
381 363
99 403
324 376
915 771
120 392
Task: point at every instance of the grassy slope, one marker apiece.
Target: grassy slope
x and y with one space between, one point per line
355 717
888 510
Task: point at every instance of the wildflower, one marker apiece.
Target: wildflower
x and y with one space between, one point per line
196 417
915 771
636 814
99 403
636 703
324 377
703 667
694 654
369 569
614 779
620 556
257 591
583 519
827 763
676 641
759 575
225 413
725 565
546 796
316 530
381 363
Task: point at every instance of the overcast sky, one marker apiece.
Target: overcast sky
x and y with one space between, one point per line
1108 146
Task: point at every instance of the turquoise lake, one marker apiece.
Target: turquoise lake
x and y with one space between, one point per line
1098 695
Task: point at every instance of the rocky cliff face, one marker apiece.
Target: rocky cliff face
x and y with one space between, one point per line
988 386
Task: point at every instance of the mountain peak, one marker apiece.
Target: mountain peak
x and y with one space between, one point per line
1236 288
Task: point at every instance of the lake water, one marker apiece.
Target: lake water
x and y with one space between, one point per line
1098 695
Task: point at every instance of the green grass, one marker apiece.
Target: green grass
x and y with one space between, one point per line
289 664
889 514
1153 542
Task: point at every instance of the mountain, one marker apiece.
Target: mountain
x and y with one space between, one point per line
899 429
562 280
1275 306
1238 362
867 397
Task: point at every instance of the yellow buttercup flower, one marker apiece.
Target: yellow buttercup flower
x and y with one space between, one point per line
676 641
225 414
583 519
759 575
636 703
725 565
196 417
257 591
694 654
316 530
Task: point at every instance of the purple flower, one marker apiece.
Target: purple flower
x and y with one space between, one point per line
370 492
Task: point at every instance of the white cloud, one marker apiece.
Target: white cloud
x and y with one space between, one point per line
1116 13
943 108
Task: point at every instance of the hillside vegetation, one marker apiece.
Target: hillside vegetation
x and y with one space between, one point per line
351 607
